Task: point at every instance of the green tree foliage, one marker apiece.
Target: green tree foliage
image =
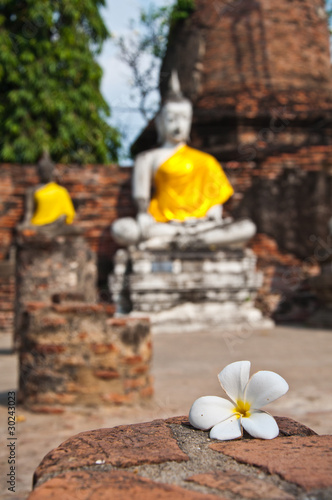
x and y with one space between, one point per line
159 22
181 10
49 82
149 42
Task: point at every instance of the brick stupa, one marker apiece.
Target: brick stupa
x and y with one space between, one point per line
248 66
259 76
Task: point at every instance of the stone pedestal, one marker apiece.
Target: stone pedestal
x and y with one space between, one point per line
48 265
72 350
188 289
52 268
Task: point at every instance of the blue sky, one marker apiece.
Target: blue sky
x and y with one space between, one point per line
116 80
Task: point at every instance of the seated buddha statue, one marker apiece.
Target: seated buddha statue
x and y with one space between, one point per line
48 206
179 191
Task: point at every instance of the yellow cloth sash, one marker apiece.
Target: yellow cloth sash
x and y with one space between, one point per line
187 185
52 201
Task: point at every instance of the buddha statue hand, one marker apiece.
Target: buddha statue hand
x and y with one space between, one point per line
215 213
144 221
126 231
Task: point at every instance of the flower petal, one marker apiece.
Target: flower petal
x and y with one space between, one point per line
208 411
263 388
228 429
233 379
261 425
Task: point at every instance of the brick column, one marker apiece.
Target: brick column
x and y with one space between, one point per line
72 350
77 354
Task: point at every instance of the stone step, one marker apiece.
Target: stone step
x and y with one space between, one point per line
193 281
201 295
187 266
214 255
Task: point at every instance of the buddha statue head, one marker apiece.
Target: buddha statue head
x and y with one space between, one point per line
175 116
45 168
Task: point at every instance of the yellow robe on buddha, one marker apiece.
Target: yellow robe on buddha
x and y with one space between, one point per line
187 185
52 201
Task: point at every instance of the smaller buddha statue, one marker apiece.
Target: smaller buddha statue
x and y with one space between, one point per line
179 191
48 206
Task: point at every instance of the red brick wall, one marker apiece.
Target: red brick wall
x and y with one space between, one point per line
100 195
288 195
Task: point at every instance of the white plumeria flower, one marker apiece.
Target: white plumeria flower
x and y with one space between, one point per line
226 419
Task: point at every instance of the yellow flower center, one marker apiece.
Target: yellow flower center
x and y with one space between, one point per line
243 408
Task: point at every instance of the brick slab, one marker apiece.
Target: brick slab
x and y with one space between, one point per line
242 485
119 485
305 461
289 427
122 446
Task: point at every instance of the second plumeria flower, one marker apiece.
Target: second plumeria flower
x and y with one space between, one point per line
226 418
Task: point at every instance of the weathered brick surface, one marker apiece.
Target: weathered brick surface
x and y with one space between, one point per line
254 43
242 485
170 459
100 194
289 427
72 350
50 269
75 353
322 285
123 446
117 485
231 61
7 297
306 461
285 294
288 195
